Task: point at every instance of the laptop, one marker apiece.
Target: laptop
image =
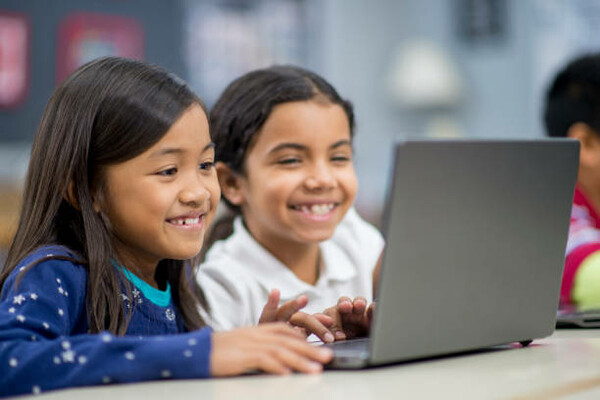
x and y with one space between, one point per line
570 316
476 232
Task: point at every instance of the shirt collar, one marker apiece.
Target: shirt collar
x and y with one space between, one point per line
273 274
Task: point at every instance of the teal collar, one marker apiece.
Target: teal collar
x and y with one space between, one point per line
159 297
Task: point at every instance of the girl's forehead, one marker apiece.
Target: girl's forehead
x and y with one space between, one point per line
310 123
188 134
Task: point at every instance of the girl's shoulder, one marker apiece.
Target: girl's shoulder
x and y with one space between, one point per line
354 231
49 251
50 263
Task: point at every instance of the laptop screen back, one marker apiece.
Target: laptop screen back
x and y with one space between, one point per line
476 234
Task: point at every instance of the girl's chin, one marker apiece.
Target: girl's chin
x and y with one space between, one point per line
185 255
316 237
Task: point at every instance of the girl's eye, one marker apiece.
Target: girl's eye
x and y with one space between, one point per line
340 158
207 165
168 172
289 161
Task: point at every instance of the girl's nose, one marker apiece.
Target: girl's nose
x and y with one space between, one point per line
320 178
194 195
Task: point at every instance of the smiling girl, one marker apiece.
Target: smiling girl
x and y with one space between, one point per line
285 164
96 288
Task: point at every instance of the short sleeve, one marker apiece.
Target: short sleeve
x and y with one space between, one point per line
227 295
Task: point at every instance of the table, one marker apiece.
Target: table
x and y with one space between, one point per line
567 364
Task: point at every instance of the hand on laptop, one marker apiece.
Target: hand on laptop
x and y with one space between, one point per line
319 324
351 318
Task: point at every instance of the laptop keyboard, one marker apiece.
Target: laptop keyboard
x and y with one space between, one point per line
352 345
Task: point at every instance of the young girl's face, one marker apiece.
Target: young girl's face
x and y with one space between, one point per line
299 178
160 203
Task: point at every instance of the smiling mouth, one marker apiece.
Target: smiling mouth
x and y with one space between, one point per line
315 209
184 221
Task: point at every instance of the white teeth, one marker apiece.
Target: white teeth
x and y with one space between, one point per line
316 209
186 221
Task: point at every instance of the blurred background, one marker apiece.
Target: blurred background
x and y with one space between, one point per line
412 68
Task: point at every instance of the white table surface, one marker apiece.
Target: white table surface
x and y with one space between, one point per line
565 365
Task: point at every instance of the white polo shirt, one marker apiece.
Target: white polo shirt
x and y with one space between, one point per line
239 273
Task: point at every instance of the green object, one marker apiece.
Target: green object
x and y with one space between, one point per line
586 287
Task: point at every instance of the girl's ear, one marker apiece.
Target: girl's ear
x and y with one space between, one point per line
589 154
231 185
70 196
72 199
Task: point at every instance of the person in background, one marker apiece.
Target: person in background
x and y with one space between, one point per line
284 151
98 283
572 109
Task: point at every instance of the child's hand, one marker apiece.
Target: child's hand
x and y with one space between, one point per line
319 324
274 348
351 318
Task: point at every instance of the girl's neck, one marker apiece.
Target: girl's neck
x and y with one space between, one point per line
144 271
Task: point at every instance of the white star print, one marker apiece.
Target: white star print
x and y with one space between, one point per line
12 310
36 390
18 299
106 379
57 280
56 360
66 345
165 373
187 353
192 342
13 362
33 296
61 290
68 356
60 311
20 318
46 325
135 292
106 338
129 355
82 359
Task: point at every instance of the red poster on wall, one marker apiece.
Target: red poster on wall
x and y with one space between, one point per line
85 36
14 58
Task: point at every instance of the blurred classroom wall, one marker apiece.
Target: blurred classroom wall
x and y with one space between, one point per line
412 68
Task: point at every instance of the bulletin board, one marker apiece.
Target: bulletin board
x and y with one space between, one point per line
84 36
14 58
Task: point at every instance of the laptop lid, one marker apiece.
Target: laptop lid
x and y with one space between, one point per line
476 233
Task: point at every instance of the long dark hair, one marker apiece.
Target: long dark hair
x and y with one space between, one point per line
107 112
244 107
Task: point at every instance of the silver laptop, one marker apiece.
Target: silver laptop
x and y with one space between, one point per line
570 316
476 233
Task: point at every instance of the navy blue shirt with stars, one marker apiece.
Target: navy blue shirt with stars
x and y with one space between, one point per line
44 339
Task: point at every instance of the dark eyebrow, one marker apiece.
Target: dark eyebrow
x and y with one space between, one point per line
282 146
177 150
298 146
342 142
